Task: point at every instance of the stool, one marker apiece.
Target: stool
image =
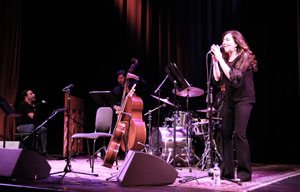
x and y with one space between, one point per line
31 143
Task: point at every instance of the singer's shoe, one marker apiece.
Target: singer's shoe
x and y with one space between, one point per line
244 176
226 175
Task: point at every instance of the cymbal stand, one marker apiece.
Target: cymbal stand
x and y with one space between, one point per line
151 145
68 168
157 90
188 150
175 119
175 125
208 143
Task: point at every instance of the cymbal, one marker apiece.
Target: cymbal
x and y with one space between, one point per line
190 91
164 100
206 110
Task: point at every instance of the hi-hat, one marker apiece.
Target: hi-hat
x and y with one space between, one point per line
164 100
206 110
189 92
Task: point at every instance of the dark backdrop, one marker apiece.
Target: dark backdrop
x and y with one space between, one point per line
85 43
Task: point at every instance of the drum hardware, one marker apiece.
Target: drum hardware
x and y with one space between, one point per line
151 146
207 156
207 110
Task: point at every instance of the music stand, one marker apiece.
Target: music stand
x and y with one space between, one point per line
9 111
175 75
103 98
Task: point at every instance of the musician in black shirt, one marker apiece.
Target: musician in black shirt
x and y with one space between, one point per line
28 121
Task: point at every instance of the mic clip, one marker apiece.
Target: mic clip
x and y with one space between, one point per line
68 88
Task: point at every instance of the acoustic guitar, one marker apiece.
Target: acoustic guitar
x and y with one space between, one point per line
115 140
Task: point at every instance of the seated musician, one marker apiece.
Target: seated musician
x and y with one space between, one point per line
117 91
28 121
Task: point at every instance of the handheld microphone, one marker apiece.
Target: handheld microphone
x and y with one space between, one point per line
221 46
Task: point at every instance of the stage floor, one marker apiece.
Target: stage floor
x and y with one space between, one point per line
269 177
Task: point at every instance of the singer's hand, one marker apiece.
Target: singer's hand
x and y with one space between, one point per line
132 76
215 49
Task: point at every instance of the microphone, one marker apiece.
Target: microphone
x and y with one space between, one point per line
68 87
60 109
221 46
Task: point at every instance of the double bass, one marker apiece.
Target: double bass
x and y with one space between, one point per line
130 121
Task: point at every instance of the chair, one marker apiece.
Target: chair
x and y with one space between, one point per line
103 124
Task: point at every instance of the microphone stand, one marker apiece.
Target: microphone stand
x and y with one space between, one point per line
42 124
68 167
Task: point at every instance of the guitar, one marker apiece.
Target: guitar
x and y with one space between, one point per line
115 140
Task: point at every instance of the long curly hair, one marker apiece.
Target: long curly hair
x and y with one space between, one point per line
247 58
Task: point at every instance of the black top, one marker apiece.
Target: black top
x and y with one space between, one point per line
23 109
117 93
240 87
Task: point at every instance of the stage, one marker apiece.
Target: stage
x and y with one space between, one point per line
268 177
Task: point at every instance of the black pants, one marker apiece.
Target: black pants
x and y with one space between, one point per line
235 121
28 128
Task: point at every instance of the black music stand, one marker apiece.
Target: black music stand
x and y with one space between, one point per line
103 98
175 75
9 111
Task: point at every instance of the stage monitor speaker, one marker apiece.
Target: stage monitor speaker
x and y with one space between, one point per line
23 164
11 144
140 168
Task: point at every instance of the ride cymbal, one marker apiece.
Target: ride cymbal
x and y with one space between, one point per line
189 92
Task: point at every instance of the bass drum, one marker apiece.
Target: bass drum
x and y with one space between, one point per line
167 138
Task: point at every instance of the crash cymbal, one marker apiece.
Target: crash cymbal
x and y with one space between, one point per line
163 100
190 91
206 110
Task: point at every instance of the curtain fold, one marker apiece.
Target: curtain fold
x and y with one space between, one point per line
10 61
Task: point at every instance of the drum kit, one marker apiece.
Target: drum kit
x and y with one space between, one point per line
173 141
178 132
